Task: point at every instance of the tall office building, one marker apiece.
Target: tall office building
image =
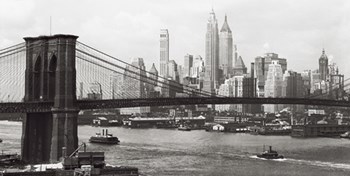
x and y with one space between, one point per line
173 72
315 78
306 77
211 81
180 72
188 63
164 52
117 85
232 87
262 67
153 83
323 66
197 67
274 85
293 87
225 49
135 85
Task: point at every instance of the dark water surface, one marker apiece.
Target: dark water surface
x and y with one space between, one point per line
172 152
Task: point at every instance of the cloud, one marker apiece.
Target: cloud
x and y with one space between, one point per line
297 30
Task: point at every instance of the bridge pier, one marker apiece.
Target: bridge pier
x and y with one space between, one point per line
64 133
50 76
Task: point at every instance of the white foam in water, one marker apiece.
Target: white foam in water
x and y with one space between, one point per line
43 167
309 162
323 164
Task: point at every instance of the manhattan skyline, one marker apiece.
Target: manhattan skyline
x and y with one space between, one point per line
295 31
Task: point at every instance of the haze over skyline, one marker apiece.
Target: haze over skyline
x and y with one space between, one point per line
296 30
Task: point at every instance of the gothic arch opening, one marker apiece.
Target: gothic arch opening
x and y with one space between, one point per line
52 77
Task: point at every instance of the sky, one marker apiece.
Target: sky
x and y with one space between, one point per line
297 30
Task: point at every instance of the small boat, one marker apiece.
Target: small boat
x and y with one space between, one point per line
345 135
184 128
270 154
104 138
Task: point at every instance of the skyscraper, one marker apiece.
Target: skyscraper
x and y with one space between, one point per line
172 71
188 63
135 85
323 66
164 52
211 81
225 49
197 67
153 75
274 85
262 64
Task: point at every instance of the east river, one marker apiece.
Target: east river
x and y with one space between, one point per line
172 152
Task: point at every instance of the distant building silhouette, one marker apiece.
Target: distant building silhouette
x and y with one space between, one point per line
164 52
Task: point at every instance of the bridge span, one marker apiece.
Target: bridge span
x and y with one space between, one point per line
32 107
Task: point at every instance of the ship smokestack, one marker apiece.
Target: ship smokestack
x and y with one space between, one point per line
270 148
103 132
106 132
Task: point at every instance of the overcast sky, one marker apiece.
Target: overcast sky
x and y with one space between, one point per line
296 30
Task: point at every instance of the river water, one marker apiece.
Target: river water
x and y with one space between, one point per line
172 152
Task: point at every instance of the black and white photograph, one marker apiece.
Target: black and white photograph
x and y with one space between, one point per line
174 88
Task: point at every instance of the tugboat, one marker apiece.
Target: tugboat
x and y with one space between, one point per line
104 138
184 128
270 154
345 135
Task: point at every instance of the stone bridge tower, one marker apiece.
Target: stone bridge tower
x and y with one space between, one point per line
50 76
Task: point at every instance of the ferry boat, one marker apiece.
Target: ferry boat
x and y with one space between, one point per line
104 138
184 128
270 154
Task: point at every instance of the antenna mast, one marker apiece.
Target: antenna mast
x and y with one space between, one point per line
50 25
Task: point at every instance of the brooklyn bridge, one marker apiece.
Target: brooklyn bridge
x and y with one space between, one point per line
47 78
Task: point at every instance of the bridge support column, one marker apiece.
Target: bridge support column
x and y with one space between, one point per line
64 133
50 76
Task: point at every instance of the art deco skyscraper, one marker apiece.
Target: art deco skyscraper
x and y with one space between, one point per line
164 52
225 51
211 81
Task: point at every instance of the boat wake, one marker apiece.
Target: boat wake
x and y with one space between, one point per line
309 162
322 164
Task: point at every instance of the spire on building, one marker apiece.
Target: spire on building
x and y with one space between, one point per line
239 63
153 69
225 27
323 56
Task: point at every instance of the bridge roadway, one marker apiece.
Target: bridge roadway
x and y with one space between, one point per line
30 107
